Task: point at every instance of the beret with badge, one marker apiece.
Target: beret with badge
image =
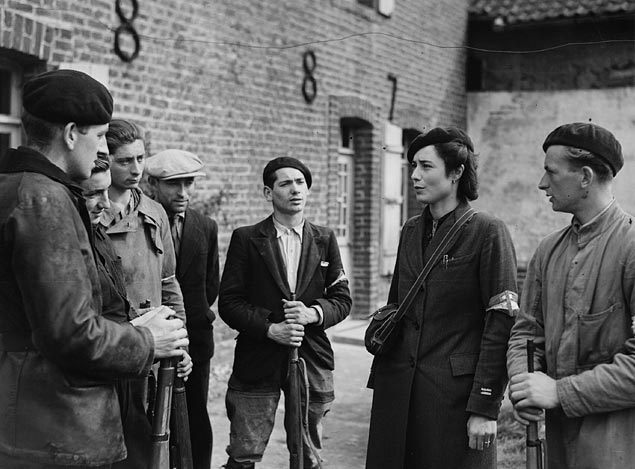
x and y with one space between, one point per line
63 96
174 164
590 137
436 136
286 162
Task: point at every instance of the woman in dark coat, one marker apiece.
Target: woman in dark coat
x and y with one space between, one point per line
437 392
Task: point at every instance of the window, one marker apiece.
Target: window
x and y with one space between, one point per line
10 105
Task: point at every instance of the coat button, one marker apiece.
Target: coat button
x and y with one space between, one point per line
416 326
412 362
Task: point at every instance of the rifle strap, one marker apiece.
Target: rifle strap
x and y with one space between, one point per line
446 244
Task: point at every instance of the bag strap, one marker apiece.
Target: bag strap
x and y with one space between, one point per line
446 243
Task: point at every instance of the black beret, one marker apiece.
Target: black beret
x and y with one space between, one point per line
436 136
590 137
64 96
286 162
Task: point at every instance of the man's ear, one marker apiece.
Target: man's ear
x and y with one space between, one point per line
266 191
588 176
69 134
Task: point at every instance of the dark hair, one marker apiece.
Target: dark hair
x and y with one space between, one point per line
101 165
39 132
454 154
122 132
578 158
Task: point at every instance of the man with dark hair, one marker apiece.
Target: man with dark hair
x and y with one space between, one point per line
137 225
59 357
577 306
171 176
283 285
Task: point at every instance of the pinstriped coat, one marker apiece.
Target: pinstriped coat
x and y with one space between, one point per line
449 360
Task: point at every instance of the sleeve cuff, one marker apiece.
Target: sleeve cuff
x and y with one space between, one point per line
320 314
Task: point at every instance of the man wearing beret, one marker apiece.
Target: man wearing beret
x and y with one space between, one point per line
283 285
171 175
59 357
577 307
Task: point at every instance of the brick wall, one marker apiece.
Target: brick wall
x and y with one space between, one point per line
223 80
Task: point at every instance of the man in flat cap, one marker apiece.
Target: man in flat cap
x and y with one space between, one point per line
283 285
577 307
171 176
59 357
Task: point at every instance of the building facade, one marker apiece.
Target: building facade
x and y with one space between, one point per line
534 65
343 85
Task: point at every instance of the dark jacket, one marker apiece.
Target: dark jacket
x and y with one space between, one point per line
59 357
251 292
197 273
449 360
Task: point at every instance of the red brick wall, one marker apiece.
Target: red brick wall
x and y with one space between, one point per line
196 85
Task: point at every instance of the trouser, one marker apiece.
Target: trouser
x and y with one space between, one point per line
136 426
196 393
252 414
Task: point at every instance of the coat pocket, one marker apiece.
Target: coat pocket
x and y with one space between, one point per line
601 335
463 363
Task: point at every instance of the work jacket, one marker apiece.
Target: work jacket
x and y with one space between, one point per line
59 358
142 239
577 306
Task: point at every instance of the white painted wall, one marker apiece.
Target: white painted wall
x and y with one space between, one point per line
508 129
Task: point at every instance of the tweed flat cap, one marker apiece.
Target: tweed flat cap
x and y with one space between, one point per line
436 136
590 137
174 164
64 96
286 162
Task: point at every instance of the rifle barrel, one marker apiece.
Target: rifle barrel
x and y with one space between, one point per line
534 445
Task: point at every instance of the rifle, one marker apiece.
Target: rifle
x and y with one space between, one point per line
163 454
180 443
296 460
160 436
534 444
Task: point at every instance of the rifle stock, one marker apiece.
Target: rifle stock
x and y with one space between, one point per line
160 444
534 444
180 443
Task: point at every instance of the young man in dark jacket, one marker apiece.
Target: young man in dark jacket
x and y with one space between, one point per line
283 285
59 358
171 175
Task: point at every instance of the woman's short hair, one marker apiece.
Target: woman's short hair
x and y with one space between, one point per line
457 153
122 132
455 148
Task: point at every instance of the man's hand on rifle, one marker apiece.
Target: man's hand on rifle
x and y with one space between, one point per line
530 393
288 334
184 367
481 432
169 335
296 312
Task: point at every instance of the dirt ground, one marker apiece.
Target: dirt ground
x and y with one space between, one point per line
345 428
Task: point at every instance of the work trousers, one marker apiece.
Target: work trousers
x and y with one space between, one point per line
252 415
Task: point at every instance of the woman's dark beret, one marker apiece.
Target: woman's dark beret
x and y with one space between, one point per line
436 136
